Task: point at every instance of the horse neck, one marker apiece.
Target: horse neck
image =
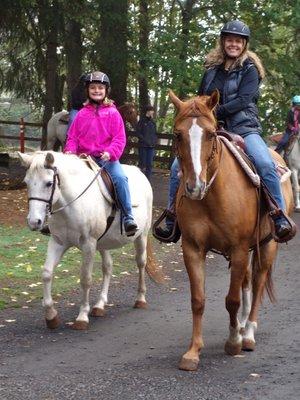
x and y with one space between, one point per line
74 183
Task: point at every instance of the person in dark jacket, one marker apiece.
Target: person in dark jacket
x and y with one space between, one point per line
78 98
147 135
236 72
292 124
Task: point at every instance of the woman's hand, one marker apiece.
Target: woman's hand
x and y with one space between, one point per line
105 156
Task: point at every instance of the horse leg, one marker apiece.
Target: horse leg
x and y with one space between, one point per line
246 298
88 255
140 245
54 254
261 278
194 260
239 263
296 189
107 266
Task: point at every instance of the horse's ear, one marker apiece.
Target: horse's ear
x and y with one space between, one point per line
25 159
213 100
49 160
174 99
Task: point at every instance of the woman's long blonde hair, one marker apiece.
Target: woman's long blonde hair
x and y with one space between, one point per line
217 56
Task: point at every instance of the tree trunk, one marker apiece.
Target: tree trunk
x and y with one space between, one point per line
112 46
49 18
144 29
73 49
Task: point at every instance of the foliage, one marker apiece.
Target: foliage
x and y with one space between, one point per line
181 33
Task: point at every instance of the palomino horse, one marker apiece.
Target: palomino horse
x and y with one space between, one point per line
57 125
79 210
217 209
292 156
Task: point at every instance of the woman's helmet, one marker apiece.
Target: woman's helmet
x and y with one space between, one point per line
296 100
237 28
98 77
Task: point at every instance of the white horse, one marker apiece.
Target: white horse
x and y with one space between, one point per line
57 130
293 159
53 181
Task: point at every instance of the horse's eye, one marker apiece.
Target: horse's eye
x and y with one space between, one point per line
49 184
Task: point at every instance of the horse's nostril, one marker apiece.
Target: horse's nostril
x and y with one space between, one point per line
188 188
39 222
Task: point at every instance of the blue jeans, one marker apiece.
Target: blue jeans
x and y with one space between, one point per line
146 155
283 141
120 181
258 152
72 115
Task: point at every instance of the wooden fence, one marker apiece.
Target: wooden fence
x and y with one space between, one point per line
162 160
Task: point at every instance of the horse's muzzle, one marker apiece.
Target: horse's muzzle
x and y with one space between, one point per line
196 192
35 224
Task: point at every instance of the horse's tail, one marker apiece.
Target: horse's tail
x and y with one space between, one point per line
262 264
153 270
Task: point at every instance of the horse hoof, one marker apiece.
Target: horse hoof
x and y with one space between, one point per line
80 326
189 364
248 345
140 304
233 349
53 323
97 312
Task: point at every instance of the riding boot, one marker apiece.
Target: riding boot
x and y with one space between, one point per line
130 225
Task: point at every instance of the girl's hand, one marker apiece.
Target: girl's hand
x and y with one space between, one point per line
105 156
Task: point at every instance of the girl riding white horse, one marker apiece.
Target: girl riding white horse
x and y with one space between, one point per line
56 182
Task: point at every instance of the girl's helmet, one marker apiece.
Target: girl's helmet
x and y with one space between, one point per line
97 76
237 28
296 100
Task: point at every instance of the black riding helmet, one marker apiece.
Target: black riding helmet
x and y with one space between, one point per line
97 76
237 28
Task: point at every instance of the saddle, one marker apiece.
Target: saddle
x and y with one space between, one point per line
236 145
64 119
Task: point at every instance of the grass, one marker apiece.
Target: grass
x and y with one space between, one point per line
22 254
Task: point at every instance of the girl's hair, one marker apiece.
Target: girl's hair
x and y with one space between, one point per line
217 56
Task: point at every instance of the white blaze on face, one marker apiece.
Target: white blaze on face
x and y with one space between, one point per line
196 133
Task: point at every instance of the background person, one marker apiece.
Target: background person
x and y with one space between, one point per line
293 123
78 98
147 134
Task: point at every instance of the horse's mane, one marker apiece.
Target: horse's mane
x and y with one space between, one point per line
70 161
195 107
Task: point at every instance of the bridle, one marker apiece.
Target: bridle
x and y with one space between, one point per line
56 181
209 160
49 201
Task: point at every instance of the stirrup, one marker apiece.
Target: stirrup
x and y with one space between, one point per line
278 213
175 234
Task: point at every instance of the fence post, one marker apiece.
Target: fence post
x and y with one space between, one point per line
22 135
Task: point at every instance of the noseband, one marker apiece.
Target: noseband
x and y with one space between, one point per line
50 200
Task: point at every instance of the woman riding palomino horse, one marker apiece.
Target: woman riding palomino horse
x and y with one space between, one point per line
98 131
236 73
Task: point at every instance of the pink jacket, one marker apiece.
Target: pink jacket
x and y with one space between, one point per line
95 130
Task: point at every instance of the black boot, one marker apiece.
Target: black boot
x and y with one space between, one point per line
282 227
130 226
164 232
